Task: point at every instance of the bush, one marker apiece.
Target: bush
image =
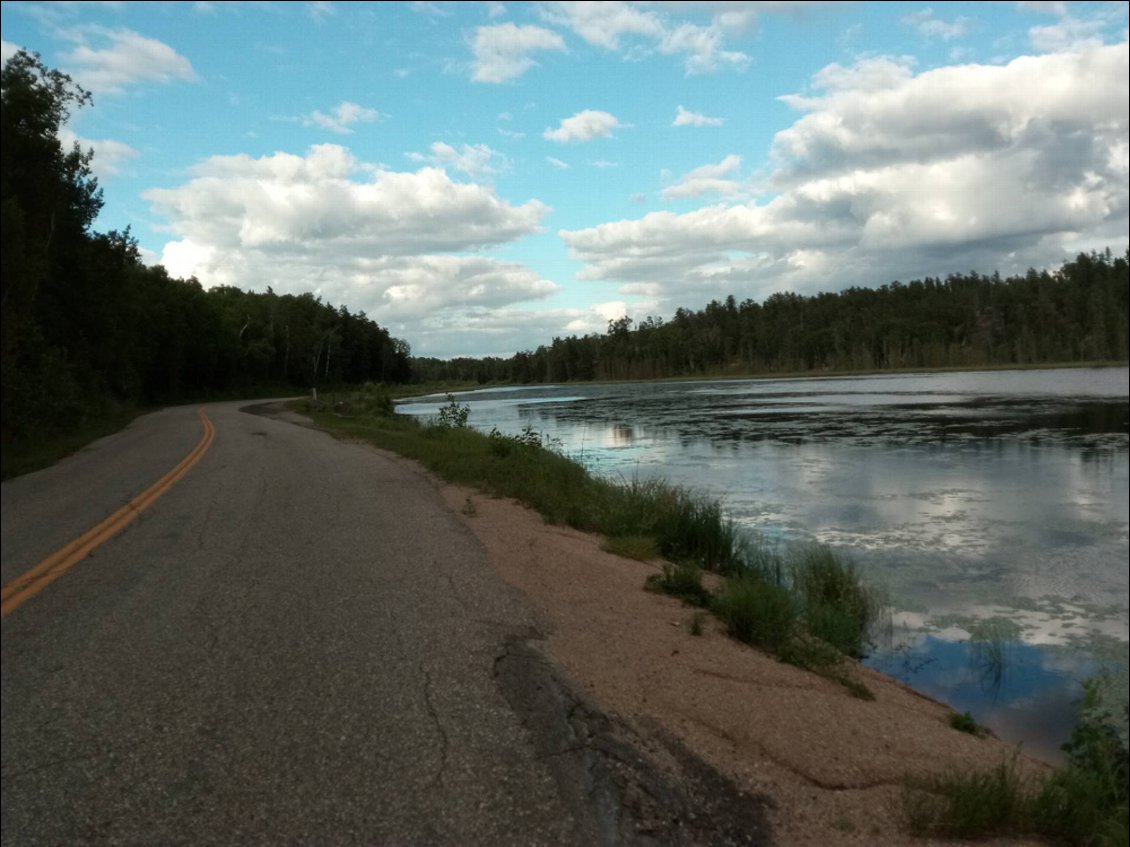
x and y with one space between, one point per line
838 607
683 581
454 415
757 612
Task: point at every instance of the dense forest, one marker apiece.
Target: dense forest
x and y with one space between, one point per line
1075 314
88 327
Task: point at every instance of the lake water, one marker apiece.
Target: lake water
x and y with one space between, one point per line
992 506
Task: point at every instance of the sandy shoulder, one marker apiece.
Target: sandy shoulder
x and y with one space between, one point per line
833 764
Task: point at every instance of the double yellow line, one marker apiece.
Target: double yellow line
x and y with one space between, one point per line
23 588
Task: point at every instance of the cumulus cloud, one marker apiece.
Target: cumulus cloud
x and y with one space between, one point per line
127 59
684 117
584 126
7 50
501 331
889 175
708 179
342 118
932 27
635 31
557 163
603 24
471 159
400 245
502 52
109 155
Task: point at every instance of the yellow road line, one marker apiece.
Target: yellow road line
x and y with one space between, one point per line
26 586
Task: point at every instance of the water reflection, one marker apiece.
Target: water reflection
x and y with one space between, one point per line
971 496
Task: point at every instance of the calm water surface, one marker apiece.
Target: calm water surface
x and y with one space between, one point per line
992 506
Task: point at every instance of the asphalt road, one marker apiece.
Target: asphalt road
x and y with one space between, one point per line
298 643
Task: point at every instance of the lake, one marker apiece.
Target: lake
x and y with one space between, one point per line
992 506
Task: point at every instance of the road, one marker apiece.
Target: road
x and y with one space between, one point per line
297 643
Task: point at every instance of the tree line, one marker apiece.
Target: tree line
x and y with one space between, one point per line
89 327
1077 313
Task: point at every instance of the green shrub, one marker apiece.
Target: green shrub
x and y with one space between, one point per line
964 722
757 612
683 581
838 607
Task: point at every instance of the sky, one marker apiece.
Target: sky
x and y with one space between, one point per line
480 178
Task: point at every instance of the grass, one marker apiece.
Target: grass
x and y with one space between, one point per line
683 581
1084 803
642 548
808 606
964 722
26 456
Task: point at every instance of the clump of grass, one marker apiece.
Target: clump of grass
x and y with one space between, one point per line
640 547
1084 803
965 805
839 607
964 722
683 581
698 623
758 612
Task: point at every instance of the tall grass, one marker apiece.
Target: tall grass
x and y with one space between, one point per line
1085 803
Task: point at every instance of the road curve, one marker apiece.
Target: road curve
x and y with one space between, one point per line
297 644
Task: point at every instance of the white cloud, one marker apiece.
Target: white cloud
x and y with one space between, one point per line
557 163
342 118
686 118
320 10
603 23
584 126
892 175
398 245
502 52
7 50
932 27
471 159
109 155
703 48
610 25
708 179
128 59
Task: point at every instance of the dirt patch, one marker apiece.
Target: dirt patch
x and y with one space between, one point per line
834 765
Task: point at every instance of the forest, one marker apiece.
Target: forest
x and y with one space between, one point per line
1075 314
88 328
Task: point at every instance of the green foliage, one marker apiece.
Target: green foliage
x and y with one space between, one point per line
683 581
1074 315
89 329
1084 803
639 547
964 722
454 415
839 607
758 612
697 623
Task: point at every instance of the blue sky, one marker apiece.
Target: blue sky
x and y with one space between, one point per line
482 177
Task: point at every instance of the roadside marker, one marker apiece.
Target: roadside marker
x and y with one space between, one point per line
27 585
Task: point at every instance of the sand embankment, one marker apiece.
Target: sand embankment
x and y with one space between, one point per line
833 764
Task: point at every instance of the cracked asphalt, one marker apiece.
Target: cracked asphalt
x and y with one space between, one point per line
300 644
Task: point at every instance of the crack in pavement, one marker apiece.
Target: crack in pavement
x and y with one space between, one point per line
627 785
437 777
